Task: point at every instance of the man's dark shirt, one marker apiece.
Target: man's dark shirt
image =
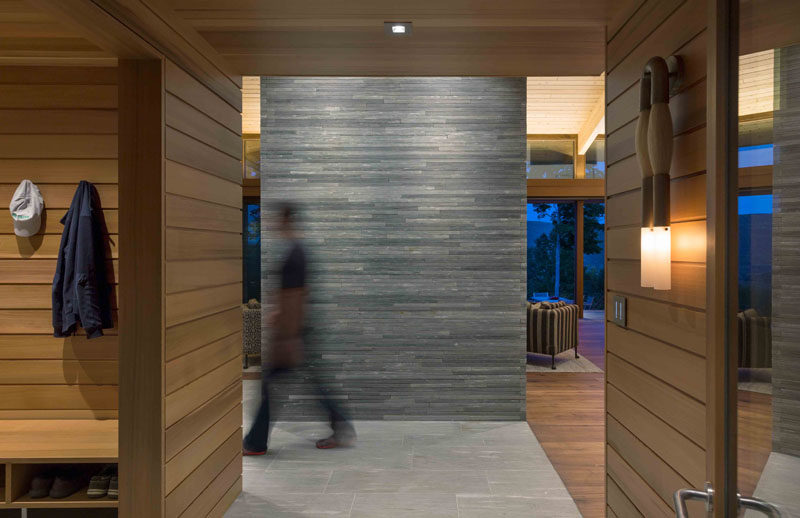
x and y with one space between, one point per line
293 271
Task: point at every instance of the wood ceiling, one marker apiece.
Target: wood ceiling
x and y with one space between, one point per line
757 82
450 37
30 36
562 105
475 37
251 104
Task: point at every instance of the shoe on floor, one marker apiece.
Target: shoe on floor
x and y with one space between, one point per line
253 453
113 488
334 441
99 484
41 484
248 451
66 483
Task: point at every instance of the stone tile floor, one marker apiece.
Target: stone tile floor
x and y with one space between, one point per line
403 469
778 485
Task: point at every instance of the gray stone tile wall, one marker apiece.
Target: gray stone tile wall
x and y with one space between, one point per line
786 255
413 200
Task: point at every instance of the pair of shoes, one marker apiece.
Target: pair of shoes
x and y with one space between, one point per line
56 483
105 483
247 451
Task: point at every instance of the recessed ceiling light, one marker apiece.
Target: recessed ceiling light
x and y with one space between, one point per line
397 28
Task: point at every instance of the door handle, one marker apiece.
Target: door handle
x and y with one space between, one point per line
762 506
682 496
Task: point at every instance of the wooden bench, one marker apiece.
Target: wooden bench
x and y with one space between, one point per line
27 447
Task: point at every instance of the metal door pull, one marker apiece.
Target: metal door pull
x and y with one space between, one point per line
756 504
682 496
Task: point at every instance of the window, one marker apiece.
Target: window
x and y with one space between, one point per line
251 165
551 158
755 143
755 253
551 251
594 218
251 242
596 159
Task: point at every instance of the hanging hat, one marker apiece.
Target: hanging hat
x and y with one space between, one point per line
26 209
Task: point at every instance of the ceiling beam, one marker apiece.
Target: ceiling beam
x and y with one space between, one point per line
566 188
595 125
571 12
235 21
98 26
149 28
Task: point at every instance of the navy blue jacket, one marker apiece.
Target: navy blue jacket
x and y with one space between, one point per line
81 292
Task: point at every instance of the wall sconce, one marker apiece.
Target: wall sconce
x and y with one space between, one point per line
654 153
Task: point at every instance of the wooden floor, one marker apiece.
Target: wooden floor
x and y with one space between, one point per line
592 340
755 437
566 412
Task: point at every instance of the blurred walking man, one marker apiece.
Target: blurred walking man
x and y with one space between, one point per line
287 344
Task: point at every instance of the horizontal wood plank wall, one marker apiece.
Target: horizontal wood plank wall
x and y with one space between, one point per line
58 126
655 384
203 406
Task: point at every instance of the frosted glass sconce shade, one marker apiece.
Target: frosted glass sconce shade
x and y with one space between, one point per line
647 257
661 267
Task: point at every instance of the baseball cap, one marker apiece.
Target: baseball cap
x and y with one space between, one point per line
26 209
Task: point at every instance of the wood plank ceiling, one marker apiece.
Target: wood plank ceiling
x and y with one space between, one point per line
251 105
561 105
450 37
757 82
33 37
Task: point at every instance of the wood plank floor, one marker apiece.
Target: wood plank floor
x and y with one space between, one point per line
566 413
755 437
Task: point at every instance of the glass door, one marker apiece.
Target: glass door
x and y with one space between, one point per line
551 251
766 343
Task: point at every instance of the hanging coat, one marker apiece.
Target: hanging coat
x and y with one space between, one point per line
81 292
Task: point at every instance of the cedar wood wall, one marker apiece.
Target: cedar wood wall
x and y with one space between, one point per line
203 251
656 369
58 125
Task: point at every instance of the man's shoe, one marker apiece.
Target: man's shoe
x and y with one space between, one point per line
41 484
247 451
334 441
99 484
252 453
66 483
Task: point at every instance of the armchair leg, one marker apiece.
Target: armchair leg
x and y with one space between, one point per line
554 362
576 352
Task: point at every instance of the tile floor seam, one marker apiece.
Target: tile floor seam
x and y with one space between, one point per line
328 482
352 505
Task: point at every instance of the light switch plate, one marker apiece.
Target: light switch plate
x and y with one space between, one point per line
620 311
